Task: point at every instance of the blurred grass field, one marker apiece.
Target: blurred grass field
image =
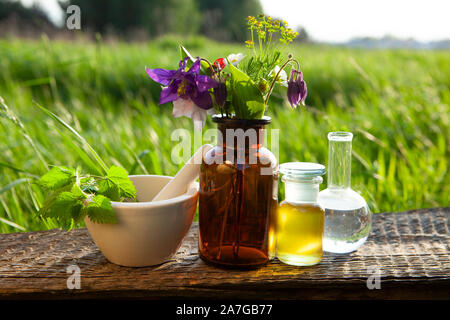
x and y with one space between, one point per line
396 102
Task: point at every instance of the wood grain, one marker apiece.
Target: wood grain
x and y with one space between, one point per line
410 248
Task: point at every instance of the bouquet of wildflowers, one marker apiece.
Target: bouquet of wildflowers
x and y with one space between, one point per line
238 86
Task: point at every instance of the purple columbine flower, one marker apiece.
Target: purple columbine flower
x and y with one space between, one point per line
297 90
188 90
184 84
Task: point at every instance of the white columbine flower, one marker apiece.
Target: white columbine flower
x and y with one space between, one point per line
187 108
234 58
282 77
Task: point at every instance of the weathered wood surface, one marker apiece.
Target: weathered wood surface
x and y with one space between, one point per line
410 248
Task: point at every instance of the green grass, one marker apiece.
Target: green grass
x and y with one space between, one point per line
395 102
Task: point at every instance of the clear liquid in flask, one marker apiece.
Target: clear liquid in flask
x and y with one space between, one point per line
345 230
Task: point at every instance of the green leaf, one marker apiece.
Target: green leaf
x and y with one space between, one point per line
100 210
204 66
50 199
109 189
57 178
119 177
66 202
247 100
76 190
184 53
63 206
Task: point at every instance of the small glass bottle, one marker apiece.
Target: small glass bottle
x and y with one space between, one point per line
347 216
300 219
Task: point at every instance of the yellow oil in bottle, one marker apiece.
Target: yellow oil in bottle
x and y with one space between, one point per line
299 233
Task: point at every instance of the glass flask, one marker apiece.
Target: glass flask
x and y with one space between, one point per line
347 216
300 219
238 196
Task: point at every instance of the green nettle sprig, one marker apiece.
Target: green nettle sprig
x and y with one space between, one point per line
71 195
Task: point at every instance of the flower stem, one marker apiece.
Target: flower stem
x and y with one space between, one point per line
288 61
253 41
210 65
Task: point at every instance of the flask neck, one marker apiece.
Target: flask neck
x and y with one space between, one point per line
340 160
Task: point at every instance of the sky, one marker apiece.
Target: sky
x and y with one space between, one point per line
341 20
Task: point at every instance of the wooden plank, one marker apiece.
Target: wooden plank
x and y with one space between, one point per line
410 248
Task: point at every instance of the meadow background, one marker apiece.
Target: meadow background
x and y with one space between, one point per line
396 102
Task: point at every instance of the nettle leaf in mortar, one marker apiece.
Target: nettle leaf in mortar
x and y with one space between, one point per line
248 101
74 195
100 210
117 185
57 177
109 189
63 206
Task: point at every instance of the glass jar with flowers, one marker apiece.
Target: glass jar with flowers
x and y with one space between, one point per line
239 176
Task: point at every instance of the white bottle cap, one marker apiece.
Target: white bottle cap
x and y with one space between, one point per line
302 180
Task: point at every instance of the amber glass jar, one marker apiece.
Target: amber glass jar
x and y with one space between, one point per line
238 196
